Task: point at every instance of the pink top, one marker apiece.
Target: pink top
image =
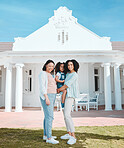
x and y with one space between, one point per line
51 87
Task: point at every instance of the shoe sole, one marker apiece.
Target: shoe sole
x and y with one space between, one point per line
52 143
53 138
64 138
71 144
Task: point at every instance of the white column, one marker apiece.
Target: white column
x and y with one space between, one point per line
107 86
19 88
8 88
117 85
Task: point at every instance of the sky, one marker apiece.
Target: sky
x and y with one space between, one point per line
19 18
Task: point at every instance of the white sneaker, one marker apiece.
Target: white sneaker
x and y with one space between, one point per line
66 136
71 141
52 141
45 137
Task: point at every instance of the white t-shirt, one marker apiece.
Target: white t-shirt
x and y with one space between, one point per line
59 75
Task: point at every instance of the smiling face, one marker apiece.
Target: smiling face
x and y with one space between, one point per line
70 66
49 67
62 67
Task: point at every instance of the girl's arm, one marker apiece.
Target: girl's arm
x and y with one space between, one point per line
57 80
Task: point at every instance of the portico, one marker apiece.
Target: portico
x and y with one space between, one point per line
88 60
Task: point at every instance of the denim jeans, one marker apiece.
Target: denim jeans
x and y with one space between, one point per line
48 114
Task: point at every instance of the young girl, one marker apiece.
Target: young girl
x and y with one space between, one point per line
60 79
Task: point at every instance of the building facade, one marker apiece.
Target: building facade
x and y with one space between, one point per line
62 38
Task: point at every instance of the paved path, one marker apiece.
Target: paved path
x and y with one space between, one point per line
34 118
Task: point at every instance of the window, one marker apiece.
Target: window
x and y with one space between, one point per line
122 78
66 36
0 81
28 80
62 37
96 79
59 37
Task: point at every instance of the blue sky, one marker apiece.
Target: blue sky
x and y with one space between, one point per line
19 18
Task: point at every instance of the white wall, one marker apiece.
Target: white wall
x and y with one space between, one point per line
83 78
32 99
92 84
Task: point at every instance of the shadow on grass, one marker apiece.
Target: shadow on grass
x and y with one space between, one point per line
27 138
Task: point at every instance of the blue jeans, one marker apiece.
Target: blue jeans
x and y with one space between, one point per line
48 114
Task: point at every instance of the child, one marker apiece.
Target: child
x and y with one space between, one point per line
60 79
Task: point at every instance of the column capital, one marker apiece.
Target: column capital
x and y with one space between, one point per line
105 64
19 65
8 66
116 64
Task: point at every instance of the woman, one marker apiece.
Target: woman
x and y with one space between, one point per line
71 84
47 96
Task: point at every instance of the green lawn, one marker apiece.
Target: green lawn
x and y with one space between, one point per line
87 137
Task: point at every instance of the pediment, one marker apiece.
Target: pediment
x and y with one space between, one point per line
62 33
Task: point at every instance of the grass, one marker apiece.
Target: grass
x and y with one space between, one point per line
87 137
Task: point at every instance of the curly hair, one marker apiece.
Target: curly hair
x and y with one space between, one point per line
47 62
57 67
75 63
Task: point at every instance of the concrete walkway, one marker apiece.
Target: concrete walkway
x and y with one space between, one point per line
31 118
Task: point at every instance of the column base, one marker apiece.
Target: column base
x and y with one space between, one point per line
110 109
8 111
18 110
118 109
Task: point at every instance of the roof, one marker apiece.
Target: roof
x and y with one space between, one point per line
7 46
118 45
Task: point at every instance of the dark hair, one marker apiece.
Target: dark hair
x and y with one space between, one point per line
57 67
75 63
47 62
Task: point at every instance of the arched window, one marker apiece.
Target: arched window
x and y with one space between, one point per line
28 80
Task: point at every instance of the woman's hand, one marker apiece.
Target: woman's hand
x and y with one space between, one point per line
58 91
63 100
47 99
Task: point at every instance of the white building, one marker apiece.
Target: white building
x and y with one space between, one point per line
101 62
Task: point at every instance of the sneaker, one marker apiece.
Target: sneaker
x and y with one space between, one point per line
66 136
52 141
45 137
71 141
